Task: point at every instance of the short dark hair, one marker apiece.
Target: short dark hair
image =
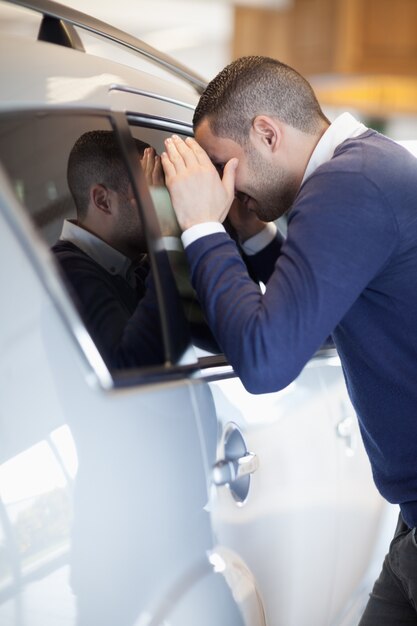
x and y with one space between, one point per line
258 85
96 158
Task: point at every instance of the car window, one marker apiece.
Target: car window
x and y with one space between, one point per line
141 312
67 170
34 151
202 338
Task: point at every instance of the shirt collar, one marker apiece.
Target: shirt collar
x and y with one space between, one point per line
344 127
110 259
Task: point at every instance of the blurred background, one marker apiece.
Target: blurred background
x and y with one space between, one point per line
359 55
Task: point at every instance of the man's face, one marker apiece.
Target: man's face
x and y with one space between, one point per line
127 235
261 184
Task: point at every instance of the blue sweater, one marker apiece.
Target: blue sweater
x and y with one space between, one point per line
122 320
348 268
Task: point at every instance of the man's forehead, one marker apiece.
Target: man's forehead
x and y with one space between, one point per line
204 135
218 148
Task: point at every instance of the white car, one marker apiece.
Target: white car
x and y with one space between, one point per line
162 494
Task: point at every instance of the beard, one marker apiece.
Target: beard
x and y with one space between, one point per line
272 190
129 237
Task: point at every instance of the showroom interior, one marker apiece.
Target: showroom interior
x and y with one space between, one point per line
161 490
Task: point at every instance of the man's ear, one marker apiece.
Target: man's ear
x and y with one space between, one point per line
267 132
100 198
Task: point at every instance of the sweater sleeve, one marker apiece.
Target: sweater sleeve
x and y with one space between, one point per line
341 232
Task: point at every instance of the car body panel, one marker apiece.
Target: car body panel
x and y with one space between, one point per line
59 78
308 493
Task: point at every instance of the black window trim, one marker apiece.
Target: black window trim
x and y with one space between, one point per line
97 373
159 123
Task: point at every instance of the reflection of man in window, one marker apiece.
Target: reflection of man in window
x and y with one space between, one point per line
102 254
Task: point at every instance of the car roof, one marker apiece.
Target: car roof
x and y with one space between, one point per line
37 73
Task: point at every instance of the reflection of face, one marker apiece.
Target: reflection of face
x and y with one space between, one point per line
265 188
127 235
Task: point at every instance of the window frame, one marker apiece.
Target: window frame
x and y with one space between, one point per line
208 367
216 364
47 271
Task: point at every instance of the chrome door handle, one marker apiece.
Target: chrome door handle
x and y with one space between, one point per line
238 464
226 472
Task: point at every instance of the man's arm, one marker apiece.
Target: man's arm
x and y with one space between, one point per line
334 248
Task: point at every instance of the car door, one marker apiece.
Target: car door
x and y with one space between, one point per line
103 476
282 523
309 522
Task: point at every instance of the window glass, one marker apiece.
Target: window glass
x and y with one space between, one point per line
70 175
202 338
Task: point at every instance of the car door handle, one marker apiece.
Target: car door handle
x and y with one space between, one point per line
237 464
226 472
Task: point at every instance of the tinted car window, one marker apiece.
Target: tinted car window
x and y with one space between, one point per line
108 275
201 336
35 151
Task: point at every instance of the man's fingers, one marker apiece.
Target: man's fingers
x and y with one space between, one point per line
185 150
190 151
158 173
148 162
229 176
168 166
174 155
200 154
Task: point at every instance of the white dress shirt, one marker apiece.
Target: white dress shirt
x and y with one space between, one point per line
110 259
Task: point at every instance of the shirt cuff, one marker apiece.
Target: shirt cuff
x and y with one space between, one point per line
200 230
258 242
172 243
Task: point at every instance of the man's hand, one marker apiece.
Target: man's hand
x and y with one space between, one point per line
151 165
197 193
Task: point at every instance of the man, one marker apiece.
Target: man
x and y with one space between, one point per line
348 267
102 253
